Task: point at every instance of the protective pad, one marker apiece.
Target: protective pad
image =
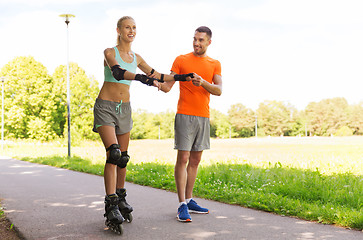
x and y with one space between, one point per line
124 160
182 77
117 72
115 154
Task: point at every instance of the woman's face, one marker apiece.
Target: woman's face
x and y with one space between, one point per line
127 31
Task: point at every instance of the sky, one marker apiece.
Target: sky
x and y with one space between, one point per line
285 50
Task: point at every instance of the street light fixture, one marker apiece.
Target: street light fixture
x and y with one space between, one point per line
67 17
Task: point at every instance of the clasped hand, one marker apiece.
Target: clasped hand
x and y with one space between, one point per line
197 80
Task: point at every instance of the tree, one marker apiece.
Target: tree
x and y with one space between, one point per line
298 124
36 102
166 122
139 118
150 126
275 118
327 116
220 125
29 100
242 120
212 121
344 131
356 118
84 91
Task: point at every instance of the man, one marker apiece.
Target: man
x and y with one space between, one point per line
192 127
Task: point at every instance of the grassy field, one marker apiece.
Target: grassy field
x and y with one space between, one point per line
329 155
319 179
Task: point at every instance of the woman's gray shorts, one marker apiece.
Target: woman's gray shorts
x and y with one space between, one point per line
117 115
192 133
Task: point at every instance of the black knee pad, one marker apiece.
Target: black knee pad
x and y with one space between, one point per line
115 154
123 160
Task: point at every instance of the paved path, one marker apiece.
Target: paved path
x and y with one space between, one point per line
50 203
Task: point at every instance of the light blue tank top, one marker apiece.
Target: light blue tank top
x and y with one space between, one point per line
131 67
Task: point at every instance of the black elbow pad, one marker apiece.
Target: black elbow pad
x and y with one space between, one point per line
117 72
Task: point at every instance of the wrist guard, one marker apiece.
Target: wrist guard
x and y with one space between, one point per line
145 79
117 72
182 77
161 78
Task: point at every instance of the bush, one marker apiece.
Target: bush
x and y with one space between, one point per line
344 131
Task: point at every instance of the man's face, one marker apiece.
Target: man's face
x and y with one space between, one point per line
200 43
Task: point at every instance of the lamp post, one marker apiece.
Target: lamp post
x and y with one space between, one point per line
2 114
67 17
256 126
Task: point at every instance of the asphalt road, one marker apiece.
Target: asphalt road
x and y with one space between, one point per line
45 202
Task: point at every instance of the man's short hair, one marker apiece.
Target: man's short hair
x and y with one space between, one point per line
205 30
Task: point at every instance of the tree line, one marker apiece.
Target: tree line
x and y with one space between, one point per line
329 117
35 107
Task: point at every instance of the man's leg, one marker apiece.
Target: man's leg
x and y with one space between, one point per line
180 173
192 171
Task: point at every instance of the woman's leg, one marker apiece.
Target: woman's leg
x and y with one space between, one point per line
123 141
108 137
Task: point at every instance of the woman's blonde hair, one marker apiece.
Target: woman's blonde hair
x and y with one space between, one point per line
119 24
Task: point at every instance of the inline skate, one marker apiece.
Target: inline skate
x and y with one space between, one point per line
124 207
114 218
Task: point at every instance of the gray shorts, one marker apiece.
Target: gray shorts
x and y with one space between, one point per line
192 133
117 115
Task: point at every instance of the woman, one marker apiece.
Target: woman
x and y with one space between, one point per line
112 116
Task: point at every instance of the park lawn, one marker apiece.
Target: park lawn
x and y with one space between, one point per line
318 179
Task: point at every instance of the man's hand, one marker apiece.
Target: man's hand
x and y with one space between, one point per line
197 80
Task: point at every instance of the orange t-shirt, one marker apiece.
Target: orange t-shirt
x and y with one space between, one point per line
194 100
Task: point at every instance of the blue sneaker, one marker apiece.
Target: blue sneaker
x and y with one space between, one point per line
183 214
195 208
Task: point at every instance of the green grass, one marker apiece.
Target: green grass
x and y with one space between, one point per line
286 191
314 179
309 195
74 163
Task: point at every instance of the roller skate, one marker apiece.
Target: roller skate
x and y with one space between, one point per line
113 216
124 207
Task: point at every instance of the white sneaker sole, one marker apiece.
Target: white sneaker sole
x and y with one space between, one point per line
181 220
193 211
